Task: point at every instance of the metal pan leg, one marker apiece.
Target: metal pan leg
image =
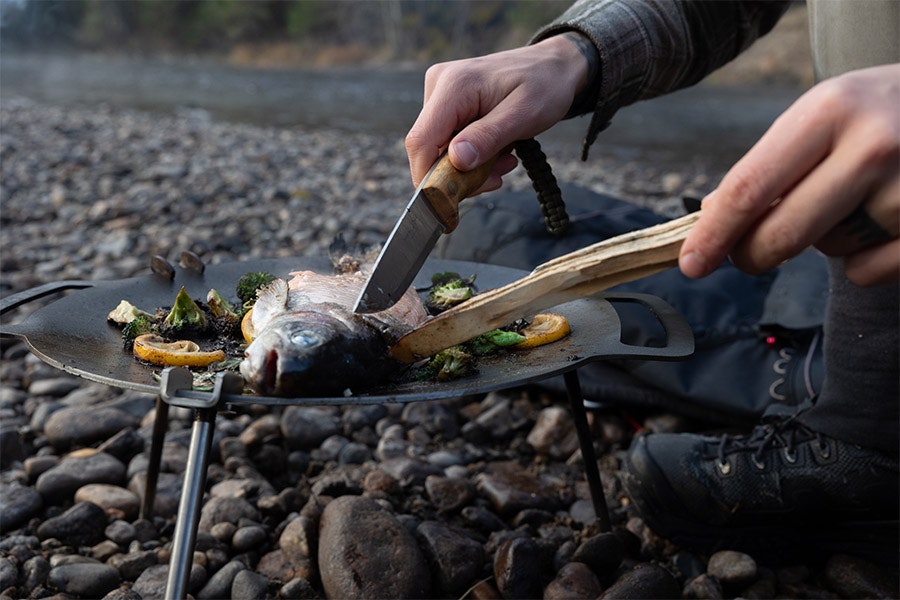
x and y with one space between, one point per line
586 441
160 424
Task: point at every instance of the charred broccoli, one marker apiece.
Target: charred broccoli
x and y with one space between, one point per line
184 318
250 282
492 341
447 290
138 326
452 363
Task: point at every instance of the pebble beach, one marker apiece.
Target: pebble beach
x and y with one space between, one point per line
474 497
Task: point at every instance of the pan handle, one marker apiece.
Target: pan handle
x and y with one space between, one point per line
12 301
679 336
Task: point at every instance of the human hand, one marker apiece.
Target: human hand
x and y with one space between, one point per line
476 108
836 149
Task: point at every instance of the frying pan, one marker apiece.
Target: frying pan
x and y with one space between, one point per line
72 334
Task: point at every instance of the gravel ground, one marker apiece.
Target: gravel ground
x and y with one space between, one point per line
479 497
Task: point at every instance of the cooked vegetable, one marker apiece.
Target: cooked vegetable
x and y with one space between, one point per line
141 325
183 353
447 290
492 341
126 312
544 328
184 318
220 308
451 363
249 283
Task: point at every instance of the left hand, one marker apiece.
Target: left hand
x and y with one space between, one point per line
835 149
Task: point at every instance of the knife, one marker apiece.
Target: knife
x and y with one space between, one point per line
433 210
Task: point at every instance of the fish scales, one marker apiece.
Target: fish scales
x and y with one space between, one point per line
309 342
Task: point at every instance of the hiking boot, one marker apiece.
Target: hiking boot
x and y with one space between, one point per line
783 491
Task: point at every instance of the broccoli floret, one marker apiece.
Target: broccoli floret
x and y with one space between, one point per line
185 317
492 341
250 282
220 308
137 326
452 363
447 290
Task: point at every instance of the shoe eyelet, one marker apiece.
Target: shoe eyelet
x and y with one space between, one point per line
825 451
790 457
724 467
757 463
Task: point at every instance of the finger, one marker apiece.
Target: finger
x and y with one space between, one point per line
813 208
794 145
505 163
876 266
512 119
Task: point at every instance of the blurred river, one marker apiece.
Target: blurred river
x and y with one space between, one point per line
715 123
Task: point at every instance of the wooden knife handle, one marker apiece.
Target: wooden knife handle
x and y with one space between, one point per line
572 276
446 187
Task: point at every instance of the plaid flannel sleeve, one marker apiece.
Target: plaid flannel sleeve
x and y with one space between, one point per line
650 47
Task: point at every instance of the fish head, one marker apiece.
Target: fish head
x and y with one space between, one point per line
312 353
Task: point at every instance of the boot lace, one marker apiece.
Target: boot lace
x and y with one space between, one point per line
785 434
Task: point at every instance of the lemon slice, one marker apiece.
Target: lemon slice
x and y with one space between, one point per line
183 353
247 326
543 329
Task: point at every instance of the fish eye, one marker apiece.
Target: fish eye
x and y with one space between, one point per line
305 338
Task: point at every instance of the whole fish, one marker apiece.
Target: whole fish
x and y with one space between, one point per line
309 342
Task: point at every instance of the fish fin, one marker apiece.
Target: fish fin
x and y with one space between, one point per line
274 294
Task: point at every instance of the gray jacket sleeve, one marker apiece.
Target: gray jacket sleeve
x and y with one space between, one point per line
650 47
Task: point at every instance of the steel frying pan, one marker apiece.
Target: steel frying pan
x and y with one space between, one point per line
72 333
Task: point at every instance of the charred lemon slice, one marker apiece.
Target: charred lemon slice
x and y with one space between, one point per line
183 353
543 329
247 326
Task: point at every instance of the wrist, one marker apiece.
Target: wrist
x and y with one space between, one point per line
588 85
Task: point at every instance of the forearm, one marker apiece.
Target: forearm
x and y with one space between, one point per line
649 48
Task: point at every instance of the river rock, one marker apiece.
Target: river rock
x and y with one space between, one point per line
219 585
554 433
574 581
19 503
83 425
732 568
60 482
248 585
513 491
603 553
81 525
644 580
449 494
359 541
8 573
89 580
115 500
518 568
456 558
854 577
304 427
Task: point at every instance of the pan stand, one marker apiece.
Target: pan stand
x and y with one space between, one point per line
206 406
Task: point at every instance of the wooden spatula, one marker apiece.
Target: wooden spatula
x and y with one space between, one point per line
575 275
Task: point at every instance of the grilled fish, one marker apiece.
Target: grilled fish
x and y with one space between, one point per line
309 342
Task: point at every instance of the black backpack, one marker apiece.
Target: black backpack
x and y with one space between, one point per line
758 338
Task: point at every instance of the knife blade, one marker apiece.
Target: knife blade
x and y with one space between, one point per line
432 211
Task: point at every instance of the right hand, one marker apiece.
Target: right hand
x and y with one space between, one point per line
477 108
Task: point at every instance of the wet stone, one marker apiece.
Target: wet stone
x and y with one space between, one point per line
81 525
90 580
704 586
35 571
248 585
19 503
131 565
120 532
512 492
168 492
448 494
304 428
61 481
57 386
12 450
518 566
35 466
554 433
247 538
732 568
297 542
644 580
409 471
115 500
482 519
297 589
603 553
219 585
124 445
574 581
358 542
456 559
83 425
8 573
